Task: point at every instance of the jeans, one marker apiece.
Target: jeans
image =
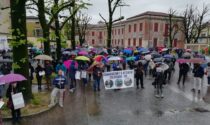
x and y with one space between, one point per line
96 85
84 81
182 75
141 81
208 78
39 80
15 115
159 89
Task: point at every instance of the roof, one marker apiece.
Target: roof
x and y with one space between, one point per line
150 13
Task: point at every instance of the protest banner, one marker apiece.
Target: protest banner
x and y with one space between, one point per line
118 79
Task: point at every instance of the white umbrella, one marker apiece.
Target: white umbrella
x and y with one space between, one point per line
148 57
164 49
114 58
43 57
164 66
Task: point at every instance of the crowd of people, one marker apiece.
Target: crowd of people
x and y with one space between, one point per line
158 64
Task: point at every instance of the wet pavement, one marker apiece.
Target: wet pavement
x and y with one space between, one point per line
130 107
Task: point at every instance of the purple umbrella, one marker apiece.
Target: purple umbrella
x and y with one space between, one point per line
83 53
10 78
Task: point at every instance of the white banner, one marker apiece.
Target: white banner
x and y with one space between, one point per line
4 43
118 79
18 100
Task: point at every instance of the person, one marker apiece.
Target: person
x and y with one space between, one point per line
31 71
72 72
48 73
1 122
16 114
97 74
151 67
60 66
39 75
84 68
59 84
198 75
183 70
159 82
139 75
208 73
168 72
6 68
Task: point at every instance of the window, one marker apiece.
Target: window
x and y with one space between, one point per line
134 29
129 28
140 27
37 22
166 29
93 33
122 30
175 43
140 42
112 42
38 32
118 42
134 41
122 43
115 32
100 35
129 42
93 41
115 42
118 31
156 27
155 42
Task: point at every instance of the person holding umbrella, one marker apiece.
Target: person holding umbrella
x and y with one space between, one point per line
97 74
39 75
198 75
159 82
16 114
183 70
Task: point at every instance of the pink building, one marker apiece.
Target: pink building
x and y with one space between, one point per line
149 29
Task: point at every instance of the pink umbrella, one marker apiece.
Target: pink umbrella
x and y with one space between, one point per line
197 60
83 53
10 78
182 60
68 63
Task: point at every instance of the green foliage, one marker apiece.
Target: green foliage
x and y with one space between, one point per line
36 101
15 66
41 40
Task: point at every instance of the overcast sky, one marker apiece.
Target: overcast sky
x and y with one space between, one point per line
139 6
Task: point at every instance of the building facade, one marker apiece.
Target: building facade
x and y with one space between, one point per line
149 29
5 22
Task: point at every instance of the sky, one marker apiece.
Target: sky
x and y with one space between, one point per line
139 6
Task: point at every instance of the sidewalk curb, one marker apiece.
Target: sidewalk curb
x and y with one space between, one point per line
30 115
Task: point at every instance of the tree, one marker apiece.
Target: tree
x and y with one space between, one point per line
112 5
192 23
172 26
47 9
82 21
19 43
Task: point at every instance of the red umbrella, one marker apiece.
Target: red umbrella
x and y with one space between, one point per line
182 60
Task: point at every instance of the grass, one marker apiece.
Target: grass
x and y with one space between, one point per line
37 104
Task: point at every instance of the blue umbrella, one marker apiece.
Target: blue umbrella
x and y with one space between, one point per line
127 51
168 56
204 65
143 50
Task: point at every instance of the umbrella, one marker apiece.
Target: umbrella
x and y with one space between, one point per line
44 57
168 56
196 60
68 63
148 57
163 66
187 54
83 53
114 58
164 49
142 61
155 55
127 51
66 52
99 58
82 58
182 60
158 59
6 61
73 53
143 50
130 58
10 78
